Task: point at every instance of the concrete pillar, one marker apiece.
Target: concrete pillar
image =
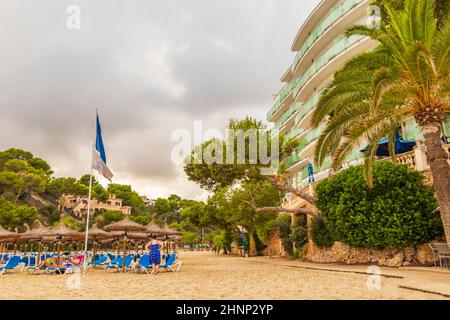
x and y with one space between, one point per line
421 159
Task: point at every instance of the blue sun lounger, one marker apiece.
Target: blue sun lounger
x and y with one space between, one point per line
12 264
99 262
144 264
170 264
117 263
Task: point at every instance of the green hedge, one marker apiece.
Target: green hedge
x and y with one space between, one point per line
398 211
321 233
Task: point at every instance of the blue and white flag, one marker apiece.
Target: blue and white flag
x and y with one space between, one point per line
99 155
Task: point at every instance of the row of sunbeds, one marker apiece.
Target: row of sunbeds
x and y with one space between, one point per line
106 261
132 264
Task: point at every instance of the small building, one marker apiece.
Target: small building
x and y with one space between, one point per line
79 205
146 200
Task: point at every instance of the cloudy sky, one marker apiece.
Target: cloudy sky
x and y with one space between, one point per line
149 66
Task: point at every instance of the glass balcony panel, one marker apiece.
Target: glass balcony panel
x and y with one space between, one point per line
307 107
293 133
336 49
298 82
334 16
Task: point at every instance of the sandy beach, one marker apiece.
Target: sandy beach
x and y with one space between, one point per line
205 275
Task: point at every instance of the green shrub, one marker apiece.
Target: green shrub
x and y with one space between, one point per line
299 233
398 211
321 233
71 223
299 252
283 224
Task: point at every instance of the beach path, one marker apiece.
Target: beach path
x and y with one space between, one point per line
205 275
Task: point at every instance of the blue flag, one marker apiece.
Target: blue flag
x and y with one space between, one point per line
99 142
99 154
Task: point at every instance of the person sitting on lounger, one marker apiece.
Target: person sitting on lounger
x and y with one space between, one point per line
49 262
137 264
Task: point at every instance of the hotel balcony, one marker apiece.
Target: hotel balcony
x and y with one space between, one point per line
349 12
305 112
331 60
300 88
287 119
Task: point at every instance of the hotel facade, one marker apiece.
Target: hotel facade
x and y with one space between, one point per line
321 48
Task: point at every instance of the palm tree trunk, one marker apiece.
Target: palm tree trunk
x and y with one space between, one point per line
437 158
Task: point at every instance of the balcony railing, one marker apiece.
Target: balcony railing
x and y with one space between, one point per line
287 115
290 161
340 46
293 133
307 107
284 93
310 137
335 15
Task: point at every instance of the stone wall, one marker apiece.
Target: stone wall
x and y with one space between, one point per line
341 253
275 246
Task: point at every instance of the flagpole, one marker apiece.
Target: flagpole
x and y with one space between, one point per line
87 221
89 204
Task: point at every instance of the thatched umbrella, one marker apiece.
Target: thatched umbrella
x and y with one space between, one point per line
5 234
125 225
36 234
175 238
136 236
62 232
168 232
97 234
8 236
153 228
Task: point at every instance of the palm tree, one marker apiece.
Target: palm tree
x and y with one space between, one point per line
408 74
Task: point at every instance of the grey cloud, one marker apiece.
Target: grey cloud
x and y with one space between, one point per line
148 66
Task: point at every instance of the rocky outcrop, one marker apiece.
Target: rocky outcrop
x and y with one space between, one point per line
275 246
341 253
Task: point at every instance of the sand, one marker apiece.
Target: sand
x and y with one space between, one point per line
205 275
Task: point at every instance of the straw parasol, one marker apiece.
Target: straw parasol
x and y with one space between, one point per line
62 232
153 228
168 231
138 237
125 225
96 234
176 237
36 234
5 234
8 236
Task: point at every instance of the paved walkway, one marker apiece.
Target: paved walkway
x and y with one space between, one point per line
427 279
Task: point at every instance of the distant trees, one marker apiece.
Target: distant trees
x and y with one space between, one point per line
12 216
104 218
23 174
